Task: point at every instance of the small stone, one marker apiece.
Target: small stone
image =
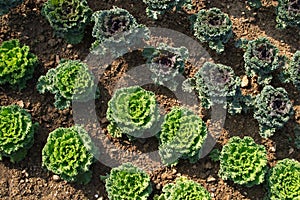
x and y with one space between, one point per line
69 46
291 150
57 59
174 171
245 82
22 181
165 176
20 103
208 165
55 177
52 42
211 179
96 195
272 149
158 186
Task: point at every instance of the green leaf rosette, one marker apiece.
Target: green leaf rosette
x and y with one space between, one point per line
69 152
127 182
243 161
16 132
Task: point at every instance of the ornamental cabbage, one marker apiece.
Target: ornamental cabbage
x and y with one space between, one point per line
16 63
243 161
5 5
182 135
288 13
68 18
212 26
116 30
133 111
183 189
272 110
69 153
16 132
165 63
261 59
70 80
284 180
291 73
217 84
127 182
159 7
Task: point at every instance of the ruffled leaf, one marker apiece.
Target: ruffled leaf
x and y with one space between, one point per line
133 111
212 26
272 110
68 18
184 189
243 161
16 132
181 136
284 180
127 182
69 152
70 80
16 63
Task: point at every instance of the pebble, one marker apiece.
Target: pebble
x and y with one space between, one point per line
69 46
56 177
166 176
272 149
208 165
245 82
52 42
211 179
158 186
291 150
20 103
174 171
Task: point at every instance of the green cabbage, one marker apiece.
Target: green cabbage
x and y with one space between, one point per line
127 182
70 80
181 136
132 111
16 132
243 161
284 180
184 189
68 18
16 63
69 152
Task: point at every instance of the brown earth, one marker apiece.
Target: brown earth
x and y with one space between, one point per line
28 180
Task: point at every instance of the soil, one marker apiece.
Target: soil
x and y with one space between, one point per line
29 180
